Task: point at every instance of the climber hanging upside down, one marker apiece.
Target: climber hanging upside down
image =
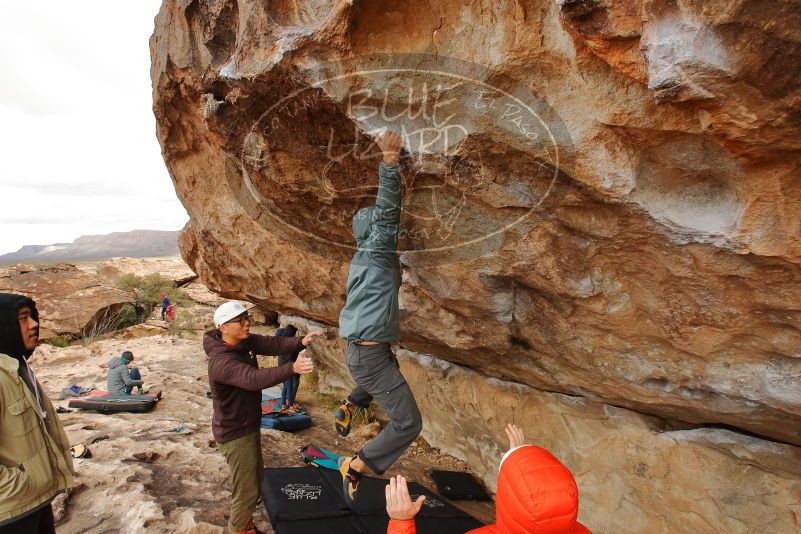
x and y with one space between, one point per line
369 322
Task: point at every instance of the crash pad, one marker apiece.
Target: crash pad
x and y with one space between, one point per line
103 401
303 500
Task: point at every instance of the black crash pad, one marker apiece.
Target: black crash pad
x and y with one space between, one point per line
372 497
117 402
309 500
292 493
374 524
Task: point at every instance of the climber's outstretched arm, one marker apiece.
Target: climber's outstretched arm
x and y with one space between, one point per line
389 186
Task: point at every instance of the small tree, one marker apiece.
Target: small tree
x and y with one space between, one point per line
147 290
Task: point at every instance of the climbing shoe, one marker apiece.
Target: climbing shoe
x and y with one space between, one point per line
342 418
350 479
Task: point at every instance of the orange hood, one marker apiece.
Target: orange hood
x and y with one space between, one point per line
536 495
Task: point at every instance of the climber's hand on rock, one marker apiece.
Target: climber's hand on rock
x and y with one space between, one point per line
308 339
515 435
303 364
390 144
399 503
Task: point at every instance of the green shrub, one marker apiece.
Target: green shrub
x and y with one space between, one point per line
183 323
126 317
60 341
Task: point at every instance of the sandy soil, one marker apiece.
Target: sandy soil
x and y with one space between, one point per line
183 485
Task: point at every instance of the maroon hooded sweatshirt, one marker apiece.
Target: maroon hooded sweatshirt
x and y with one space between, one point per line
236 380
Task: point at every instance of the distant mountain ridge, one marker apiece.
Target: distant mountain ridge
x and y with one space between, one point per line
133 244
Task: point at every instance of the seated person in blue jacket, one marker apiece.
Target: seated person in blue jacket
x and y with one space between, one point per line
121 379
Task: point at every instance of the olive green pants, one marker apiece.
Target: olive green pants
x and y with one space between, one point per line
247 469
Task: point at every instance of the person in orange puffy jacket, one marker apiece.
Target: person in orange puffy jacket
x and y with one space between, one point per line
536 495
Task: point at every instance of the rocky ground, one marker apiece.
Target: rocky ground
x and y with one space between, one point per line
160 471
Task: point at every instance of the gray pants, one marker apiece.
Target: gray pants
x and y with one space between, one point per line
377 374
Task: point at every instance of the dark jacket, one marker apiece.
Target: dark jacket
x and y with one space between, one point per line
374 278
289 331
236 380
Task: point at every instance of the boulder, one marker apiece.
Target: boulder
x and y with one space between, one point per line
138 331
71 302
600 198
201 294
635 472
173 268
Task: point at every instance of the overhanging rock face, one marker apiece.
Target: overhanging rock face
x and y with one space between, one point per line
600 199
634 473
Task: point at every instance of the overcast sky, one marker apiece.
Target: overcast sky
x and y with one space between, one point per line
78 149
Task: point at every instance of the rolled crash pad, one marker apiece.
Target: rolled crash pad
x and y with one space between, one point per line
103 401
286 423
273 418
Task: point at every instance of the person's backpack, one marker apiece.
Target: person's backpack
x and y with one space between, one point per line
457 485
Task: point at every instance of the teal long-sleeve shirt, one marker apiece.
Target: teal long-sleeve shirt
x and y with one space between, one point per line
374 278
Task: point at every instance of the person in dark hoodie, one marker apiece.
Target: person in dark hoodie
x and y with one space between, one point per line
236 382
369 322
35 461
165 303
291 385
120 379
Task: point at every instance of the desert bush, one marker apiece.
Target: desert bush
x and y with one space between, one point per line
60 341
108 321
126 317
183 323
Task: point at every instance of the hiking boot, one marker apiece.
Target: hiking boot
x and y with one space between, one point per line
250 529
350 479
342 418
